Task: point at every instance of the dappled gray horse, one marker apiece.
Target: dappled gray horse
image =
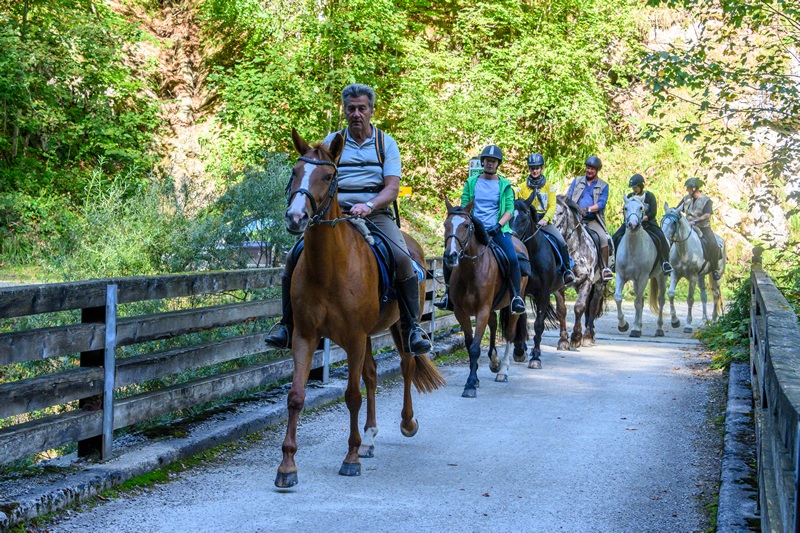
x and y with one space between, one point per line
637 261
588 284
686 256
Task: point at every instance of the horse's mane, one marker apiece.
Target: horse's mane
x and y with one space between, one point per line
323 151
480 229
522 204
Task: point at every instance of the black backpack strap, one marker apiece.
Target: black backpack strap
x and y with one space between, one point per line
379 146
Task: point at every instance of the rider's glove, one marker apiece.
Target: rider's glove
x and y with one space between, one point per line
493 230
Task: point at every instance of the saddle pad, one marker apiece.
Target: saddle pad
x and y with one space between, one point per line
556 251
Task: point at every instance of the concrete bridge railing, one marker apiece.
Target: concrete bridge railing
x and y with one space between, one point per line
775 378
100 373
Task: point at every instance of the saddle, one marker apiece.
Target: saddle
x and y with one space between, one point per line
505 268
596 238
705 244
556 251
387 265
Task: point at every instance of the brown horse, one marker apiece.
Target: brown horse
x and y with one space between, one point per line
475 284
334 294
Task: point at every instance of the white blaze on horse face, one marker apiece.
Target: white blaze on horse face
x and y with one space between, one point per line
452 244
298 205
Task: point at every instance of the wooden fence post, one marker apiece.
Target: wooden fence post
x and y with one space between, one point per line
433 299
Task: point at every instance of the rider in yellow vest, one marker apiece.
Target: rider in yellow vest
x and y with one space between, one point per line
545 204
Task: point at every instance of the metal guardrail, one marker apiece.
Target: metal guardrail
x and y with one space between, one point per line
775 378
100 332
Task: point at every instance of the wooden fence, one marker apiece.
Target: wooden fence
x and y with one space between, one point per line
99 333
775 378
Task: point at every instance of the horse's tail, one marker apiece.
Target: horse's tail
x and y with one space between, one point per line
601 303
550 315
653 299
716 290
520 333
426 376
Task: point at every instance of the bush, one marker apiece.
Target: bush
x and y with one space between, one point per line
729 336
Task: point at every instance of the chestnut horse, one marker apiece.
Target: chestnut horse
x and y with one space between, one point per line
335 294
475 283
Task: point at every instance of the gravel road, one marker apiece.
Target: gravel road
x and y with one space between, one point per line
616 437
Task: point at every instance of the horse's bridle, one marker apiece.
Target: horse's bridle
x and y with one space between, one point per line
676 219
463 245
628 220
326 202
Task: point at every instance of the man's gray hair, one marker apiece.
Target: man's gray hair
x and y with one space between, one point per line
354 90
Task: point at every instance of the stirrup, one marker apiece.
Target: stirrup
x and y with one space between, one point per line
423 334
716 275
607 274
288 343
667 268
568 273
521 301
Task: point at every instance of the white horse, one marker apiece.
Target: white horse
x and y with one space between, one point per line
636 261
686 256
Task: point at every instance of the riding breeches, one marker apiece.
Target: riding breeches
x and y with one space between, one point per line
601 232
505 242
713 247
562 244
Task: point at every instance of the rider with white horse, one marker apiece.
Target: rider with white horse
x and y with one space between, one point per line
650 222
591 195
637 261
687 257
698 208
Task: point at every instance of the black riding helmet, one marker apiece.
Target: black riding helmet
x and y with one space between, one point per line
637 180
492 151
697 183
535 160
594 162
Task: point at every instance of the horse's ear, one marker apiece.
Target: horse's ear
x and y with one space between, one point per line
447 204
299 144
666 207
529 199
336 147
468 207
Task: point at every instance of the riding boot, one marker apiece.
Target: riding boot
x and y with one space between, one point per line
408 300
517 303
566 261
445 304
607 275
282 338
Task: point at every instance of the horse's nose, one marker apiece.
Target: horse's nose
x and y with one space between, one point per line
450 259
296 221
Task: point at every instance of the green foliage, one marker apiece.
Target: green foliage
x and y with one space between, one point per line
67 95
729 335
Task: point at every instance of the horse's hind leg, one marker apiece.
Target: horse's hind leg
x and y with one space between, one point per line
493 363
302 353
592 310
408 424
662 288
352 396
581 305
561 310
690 304
370 375
538 328
701 283
622 326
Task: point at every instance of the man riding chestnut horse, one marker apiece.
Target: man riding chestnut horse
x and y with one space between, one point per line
369 180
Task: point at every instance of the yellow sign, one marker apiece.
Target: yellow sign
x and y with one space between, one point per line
404 191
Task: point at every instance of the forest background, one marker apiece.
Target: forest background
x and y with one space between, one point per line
147 136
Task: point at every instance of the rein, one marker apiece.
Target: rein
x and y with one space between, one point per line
676 219
463 245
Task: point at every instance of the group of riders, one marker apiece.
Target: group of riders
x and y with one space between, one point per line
369 178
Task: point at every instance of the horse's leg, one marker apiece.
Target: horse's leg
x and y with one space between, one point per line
592 309
505 362
638 304
493 363
580 308
370 376
689 303
673 282
474 348
351 466
662 288
538 328
701 283
620 285
408 424
561 310
302 353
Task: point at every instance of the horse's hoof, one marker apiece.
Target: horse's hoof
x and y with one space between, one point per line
350 469
477 383
285 481
563 346
587 341
687 329
519 358
411 433
635 333
676 324
366 452
624 328
659 333
535 364
469 393
502 378
494 368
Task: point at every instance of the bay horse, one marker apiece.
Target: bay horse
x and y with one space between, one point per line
589 282
544 279
335 294
637 262
475 284
686 257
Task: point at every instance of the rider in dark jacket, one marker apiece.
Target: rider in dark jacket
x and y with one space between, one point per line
650 222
